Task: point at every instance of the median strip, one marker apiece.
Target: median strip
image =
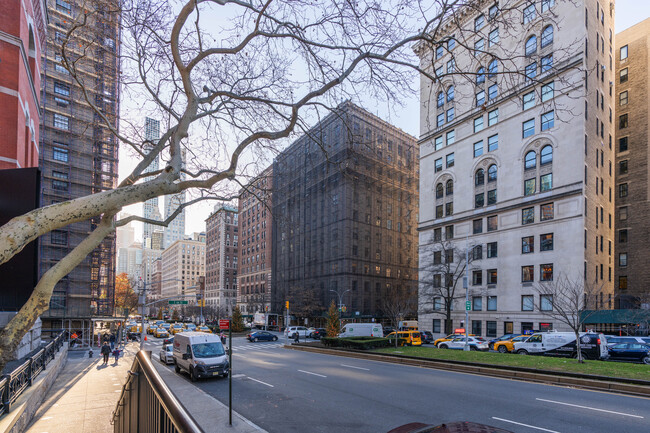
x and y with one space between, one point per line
590 408
309 372
524 425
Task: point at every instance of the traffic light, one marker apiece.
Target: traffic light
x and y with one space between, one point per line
287 305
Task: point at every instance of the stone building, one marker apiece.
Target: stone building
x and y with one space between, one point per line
182 265
516 157
344 218
221 259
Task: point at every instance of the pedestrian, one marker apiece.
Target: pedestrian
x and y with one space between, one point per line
296 337
116 354
112 341
105 351
223 337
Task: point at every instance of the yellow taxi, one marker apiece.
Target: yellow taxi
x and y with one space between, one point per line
161 333
508 345
450 337
176 328
409 338
151 328
204 329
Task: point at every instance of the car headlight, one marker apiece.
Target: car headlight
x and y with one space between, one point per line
200 363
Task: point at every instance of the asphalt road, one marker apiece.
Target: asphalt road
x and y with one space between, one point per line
289 391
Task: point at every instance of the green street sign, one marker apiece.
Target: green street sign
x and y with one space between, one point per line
178 302
468 305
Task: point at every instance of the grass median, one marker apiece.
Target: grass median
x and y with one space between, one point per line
568 365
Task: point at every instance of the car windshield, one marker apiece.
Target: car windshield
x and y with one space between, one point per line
208 350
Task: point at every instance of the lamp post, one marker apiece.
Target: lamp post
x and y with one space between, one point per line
466 284
340 295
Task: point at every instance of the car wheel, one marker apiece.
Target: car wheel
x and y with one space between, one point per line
193 377
584 356
522 352
275 338
225 375
472 348
503 349
646 360
255 339
177 369
443 346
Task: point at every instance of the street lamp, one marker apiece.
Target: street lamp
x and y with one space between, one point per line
340 295
466 284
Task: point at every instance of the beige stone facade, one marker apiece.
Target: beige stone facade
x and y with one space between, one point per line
182 265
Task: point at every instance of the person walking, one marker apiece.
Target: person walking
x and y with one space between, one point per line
105 351
116 354
296 337
112 341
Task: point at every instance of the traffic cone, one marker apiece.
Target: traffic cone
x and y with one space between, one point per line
145 338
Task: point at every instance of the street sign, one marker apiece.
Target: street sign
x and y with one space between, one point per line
468 305
224 324
178 302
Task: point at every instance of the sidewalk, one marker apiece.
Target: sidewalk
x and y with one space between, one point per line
83 397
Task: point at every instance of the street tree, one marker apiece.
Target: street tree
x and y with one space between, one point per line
125 297
333 321
233 82
398 304
237 320
569 301
305 303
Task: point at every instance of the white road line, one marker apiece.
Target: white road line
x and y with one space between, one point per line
263 383
525 425
352 366
236 376
590 408
309 372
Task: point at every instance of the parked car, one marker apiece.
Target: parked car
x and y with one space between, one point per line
508 345
636 352
167 354
449 338
612 340
261 336
426 336
176 328
161 333
310 331
190 327
504 337
319 333
408 338
362 330
388 330
592 345
291 330
204 329
151 329
166 325
201 355
458 343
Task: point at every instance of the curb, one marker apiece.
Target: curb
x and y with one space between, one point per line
600 383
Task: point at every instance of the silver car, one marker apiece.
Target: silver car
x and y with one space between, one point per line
167 354
474 343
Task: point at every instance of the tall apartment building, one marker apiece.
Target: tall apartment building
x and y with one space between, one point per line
222 239
344 223
182 265
22 41
632 275
176 229
255 236
516 157
150 208
79 154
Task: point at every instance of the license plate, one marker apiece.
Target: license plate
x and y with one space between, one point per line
216 373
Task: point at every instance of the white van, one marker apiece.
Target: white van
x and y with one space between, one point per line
592 345
362 330
200 354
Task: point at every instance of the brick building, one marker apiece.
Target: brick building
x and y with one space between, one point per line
222 253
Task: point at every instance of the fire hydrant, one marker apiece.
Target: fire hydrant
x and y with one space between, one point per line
90 353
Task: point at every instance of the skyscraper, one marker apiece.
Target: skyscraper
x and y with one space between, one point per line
150 207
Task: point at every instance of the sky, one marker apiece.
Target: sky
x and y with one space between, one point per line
628 13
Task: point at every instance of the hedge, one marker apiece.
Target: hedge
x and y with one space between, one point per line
361 343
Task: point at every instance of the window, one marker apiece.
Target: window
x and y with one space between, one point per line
450 114
622 121
63 6
546 302
546 242
493 92
529 100
528 128
622 236
449 187
622 98
450 94
531 45
480 98
527 274
451 66
492 303
547 36
546 212
478 124
531 71
622 167
58 237
529 186
479 200
622 260
547 91
493 117
479 177
438 165
476 327
548 120
439 52
480 75
546 155
438 71
546 182
493 37
478 149
492 223
493 11
449 208
437 234
451 43
61 89
479 46
58 66
449 233
527 244
622 76
477 226
491 250
477 252
450 160
622 190
493 69
622 144
438 142
439 213
528 215
440 99
477 303
624 52
527 303
492 172
622 282
61 121
60 182
622 213
436 324
439 191
529 13
491 196
491 276
546 272
491 328
60 154
451 137
479 22
547 63
440 119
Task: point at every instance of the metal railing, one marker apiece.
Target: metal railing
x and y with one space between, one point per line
146 404
12 385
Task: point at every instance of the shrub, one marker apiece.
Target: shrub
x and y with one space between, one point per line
360 343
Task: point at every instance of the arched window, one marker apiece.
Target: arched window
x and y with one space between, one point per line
480 75
547 36
531 45
441 99
493 69
450 94
450 187
479 177
492 173
546 155
439 190
530 160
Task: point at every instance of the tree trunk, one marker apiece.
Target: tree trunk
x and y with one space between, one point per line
579 347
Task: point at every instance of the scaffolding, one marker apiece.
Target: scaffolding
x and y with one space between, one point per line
79 155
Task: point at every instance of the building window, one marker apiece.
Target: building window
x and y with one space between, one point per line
493 117
451 66
490 328
530 186
622 121
476 327
480 75
491 276
547 36
451 137
527 274
451 44
493 143
622 167
622 76
438 142
546 242
449 187
622 236
546 302
622 282
439 190
527 302
622 213
527 244
477 252
479 200
479 177
60 182
531 71
439 52
440 119
622 190
546 272
493 69
548 91
450 160
546 155
437 234
440 100
530 13
492 303
61 89
450 114
438 165
622 260
491 196
61 121
622 144
492 173
478 149
439 213
530 160
450 94
624 52
449 208
622 98
436 326
493 92
479 46
449 232
479 22
477 226
528 128
60 154
528 215
546 182
493 37
480 98
492 250
548 120
493 11
546 212
478 124
529 100
477 303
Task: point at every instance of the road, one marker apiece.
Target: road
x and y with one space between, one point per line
289 391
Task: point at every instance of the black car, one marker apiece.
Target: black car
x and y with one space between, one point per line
261 336
636 352
426 336
318 333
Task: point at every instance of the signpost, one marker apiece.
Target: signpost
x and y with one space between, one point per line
181 302
224 324
468 305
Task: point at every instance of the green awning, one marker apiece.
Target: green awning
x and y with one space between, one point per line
615 316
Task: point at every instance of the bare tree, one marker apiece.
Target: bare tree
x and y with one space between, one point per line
398 304
441 276
305 302
568 301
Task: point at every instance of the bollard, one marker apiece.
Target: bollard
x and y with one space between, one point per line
90 353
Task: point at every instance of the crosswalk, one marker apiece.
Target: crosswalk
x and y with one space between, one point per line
256 347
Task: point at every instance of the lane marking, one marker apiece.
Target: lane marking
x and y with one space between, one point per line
525 425
352 366
590 408
237 376
309 372
263 383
